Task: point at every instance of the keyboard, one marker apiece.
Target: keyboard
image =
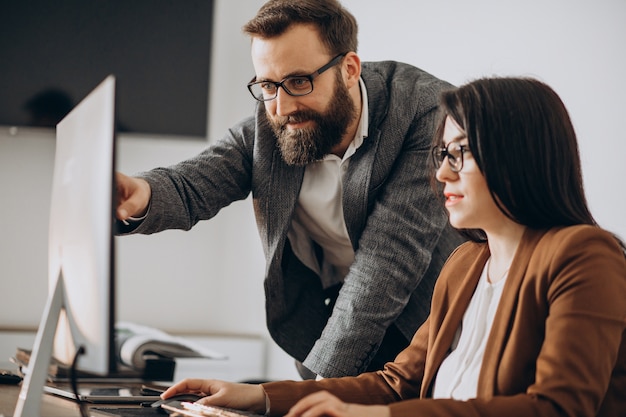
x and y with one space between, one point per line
199 410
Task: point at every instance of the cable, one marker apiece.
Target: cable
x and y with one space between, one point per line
82 405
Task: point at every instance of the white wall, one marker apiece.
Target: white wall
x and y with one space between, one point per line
576 46
210 279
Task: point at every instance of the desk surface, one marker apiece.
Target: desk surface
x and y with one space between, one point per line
51 406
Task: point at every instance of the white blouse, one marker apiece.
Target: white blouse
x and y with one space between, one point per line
457 377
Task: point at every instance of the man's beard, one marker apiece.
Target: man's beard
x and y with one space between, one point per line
306 145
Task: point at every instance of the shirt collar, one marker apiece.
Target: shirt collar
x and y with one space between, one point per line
362 131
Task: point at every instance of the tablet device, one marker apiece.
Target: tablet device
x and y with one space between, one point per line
103 394
173 409
127 412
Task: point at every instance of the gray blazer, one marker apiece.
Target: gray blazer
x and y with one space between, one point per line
397 225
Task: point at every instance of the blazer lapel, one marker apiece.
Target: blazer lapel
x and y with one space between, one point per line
286 180
357 178
501 327
450 319
357 184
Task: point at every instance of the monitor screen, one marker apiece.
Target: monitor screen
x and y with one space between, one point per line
80 246
53 53
79 316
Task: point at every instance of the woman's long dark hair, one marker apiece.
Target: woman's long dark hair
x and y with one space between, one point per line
523 141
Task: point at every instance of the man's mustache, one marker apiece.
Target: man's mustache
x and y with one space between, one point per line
297 117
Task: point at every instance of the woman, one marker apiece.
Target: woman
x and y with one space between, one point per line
527 318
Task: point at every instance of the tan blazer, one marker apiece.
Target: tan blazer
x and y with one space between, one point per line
556 347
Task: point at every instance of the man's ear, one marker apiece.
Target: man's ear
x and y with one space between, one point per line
351 69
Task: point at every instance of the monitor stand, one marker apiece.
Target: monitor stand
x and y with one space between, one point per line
29 401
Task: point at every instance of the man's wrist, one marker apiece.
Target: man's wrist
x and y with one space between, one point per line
135 219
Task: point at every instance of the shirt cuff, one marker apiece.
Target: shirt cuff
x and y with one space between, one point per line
133 219
267 404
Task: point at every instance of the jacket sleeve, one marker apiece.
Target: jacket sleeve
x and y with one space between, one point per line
400 379
197 188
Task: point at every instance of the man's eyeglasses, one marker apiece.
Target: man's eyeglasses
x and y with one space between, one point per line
296 85
454 152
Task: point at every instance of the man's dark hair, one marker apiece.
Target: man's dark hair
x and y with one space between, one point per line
337 27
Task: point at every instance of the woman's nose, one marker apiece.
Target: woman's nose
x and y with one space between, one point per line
444 172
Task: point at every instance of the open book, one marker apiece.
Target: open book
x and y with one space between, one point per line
137 343
142 352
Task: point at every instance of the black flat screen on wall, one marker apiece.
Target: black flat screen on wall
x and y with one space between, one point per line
52 53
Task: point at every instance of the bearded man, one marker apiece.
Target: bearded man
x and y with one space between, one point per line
336 157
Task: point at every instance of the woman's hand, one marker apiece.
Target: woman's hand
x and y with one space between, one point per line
220 393
324 403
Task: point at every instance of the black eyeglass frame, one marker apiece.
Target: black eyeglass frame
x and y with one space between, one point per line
310 77
438 154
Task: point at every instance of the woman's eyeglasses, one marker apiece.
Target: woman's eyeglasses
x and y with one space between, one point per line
454 152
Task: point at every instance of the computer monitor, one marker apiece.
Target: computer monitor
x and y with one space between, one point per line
80 310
